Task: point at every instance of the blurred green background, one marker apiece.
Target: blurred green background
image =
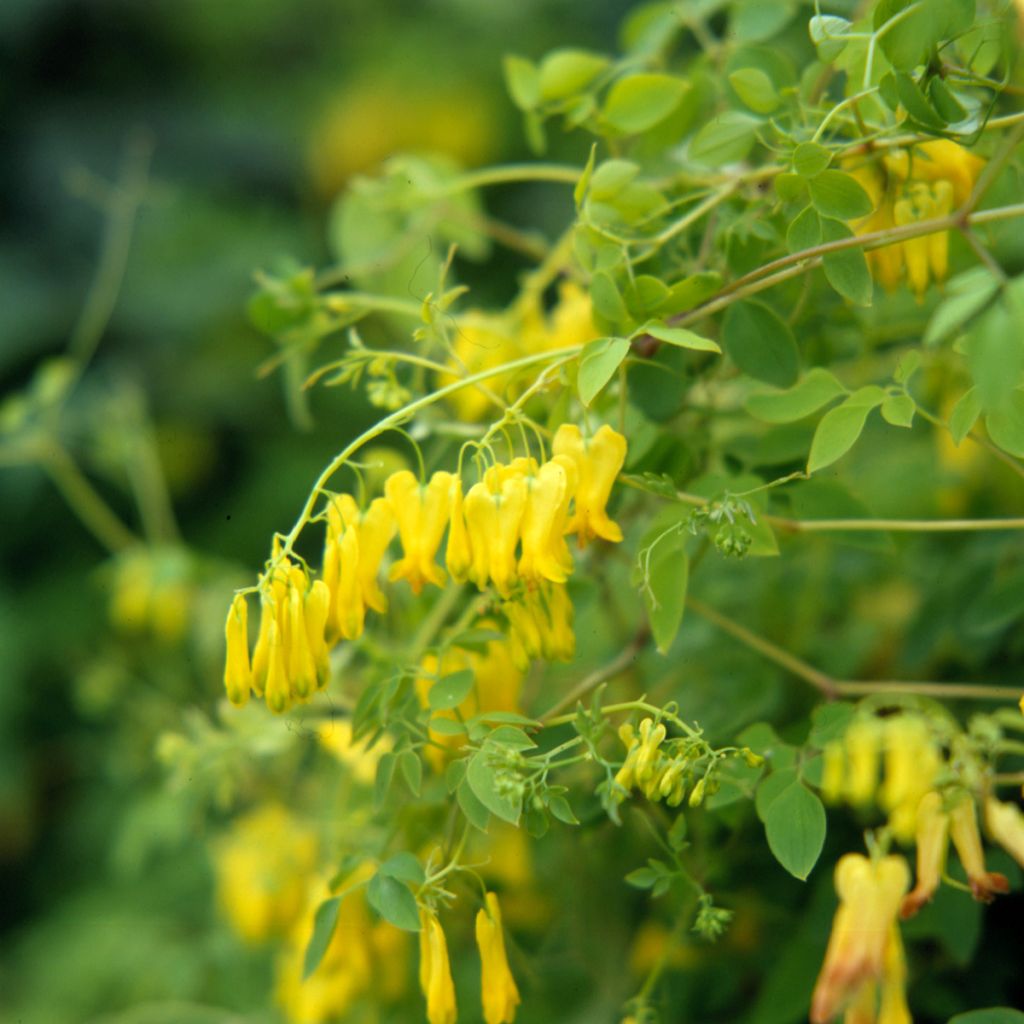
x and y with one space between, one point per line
255 114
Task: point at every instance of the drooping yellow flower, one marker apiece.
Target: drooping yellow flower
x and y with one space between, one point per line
894 1009
963 830
237 670
498 990
1005 824
598 462
932 839
640 767
458 556
911 765
493 518
862 742
549 492
353 550
422 515
435 971
905 186
869 900
541 618
262 867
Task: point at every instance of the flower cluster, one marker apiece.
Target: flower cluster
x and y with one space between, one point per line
864 971
507 532
486 340
909 185
912 760
498 991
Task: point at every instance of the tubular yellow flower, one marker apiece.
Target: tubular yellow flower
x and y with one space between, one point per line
422 514
435 971
558 641
932 844
318 603
492 521
278 694
237 670
598 462
869 900
963 830
1005 824
545 553
911 764
862 761
894 1009
302 669
833 777
458 557
498 991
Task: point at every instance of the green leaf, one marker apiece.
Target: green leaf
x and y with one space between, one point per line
393 901
607 299
385 773
560 808
839 195
967 294
840 427
805 230
445 726
826 32
771 786
476 814
690 292
639 102
790 187
480 776
724 140
611 178
810 159
964 415
564 73
818 387
663 578
325 920
522 80
679 336
760 343
994 1015
450 691
644 294
1005 424
829 722
846 270
412 770
914 27
755 89
405 867
945 102
794 823
898 410
599 360
915 102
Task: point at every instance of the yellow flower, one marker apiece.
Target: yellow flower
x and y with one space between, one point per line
237 670
353 550
541 619
422 515
869 900
458 556
894 1009
598 462
911 765
545 553
435 971
905 186
963 830
1005 824
493 518
932 844
261 867
861 743
499 994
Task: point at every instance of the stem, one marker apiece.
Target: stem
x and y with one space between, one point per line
85 501
510 174
797 666
401 415
615 667
894 525
968 691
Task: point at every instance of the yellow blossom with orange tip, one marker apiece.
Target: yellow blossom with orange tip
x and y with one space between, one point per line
422 514
598 460
435 971
906 186
498 991
932 839
1005 824
237 669
869 893
963 830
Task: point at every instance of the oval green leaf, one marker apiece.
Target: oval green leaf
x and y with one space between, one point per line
794 823
639 102
760 343
598 361
839 195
